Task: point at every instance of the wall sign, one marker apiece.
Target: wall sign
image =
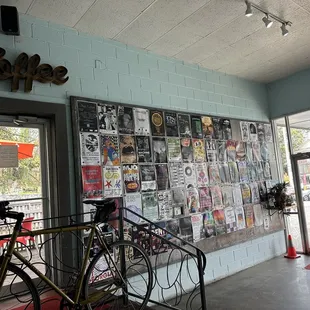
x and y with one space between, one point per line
29 69
8 156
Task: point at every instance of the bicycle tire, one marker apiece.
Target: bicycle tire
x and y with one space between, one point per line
36 304
109 299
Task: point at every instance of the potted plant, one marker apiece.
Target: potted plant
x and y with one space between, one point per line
278 199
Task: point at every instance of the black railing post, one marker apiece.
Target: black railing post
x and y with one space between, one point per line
201 281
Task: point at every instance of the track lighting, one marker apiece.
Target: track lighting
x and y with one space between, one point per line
267 21
248 11
284 30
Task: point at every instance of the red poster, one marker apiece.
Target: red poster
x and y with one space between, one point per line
92 181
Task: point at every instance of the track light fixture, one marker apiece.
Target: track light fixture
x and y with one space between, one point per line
266 19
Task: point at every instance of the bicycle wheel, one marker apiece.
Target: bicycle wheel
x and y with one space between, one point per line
18 291
131 289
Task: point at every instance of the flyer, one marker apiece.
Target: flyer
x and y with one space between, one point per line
209 225
207 127
230 218
249 216
196 127
237 195
112 179
176 175
177 201
162 177
192 198
258 215
144 149
202 174
253 131
254 193
262 191
267 170
222 154
227 196
216 195
187 150
243 172
199 150
157 123
171 122
217 125
248 151
264 151
149 205
226 128
190 175
141 236
256 151
231 150
205 199
240 151
214 174
184 126
110 151
128 149
240 217
107 119
197 227
224 173
92 182
131 178
268 133
88 120
233 170
125 120
165 209
252 173
133 202
90 150
246 193
159 150
173 226
211 151
245 131
159 245
148 179
219 219
174 150
141 121
186 231
261 132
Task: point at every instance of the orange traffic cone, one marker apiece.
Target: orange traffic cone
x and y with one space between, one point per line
291 251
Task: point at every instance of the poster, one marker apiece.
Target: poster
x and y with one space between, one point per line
149 205
248 151
254 193
92 182
246 193
267 170
88 120
8 156
148 179
211 151
216 195
226 128
165 209
184 126
268 133
176 175
141 236
144 149
243 172
131 178
110 151
205 200
173 227
222 154
231 150
174 149
240 217
249 216
202 174
262 191
260 171
256 151
157 123
141 121
197 227
227 196
90 150
230 218
199 150
177 201
192 198
112 181
209 225
214 174
240 151
171 122
133 202
128 149
233 171
264 151
207 127
187 150
253 131
219 219
159 245
159 150
107 119
186 231
252 173
162 177
196 127
260 132
224 173
125 120
217 126
190 175
258 215
237 195
245 131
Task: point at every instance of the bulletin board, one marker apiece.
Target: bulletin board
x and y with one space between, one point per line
200 177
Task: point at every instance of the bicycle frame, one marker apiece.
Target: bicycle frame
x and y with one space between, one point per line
70 228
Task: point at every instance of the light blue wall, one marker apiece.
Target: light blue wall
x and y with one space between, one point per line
290 95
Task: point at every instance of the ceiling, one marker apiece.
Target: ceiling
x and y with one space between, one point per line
212 33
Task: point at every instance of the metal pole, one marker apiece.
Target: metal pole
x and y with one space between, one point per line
201 282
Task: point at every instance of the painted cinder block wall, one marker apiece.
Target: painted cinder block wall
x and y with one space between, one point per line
109 70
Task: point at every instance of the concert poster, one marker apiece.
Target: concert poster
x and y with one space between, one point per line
196 127
162 177
187 150
246 193
128 149
211 151
92 182
157 123
243 172
249 216
252 172
256 151
268 133
234 173
110 151
199 150
227 196
245 131
88 120
184 126
144 149
197 227
240 151
186 230
267 170
226 128
164 205
205 199
192 197
217 125
176 175
190 175
174 150
149 205
224 173
171 122
231 150
90 150
230 218
264 151
133 202
112 179
214 174
240 217
177 201
258 215
202 174
131 178
107 119
148 179
248 151
222 154
207 127
159 150
253 131
209 225
219 219
141 121
261 132
237 195
216 195
125 120
254 193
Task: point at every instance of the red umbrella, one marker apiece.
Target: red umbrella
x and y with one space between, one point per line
25 150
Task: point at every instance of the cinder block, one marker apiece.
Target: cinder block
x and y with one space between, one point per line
222 110
80 71
47 34
178 103
60 27
166 65
117 65
263 246
226 80
103 49
160 100
227 100
215 98
213 262
126 55
201 95
117 93
148 61
247 262
198 74
129 81
208 276
48 92
183 70
235 111
235 92
150 85
159 75
77 41
106 76
240 253
29 46
252 250
220 272
141 97
193 83
25 29
63 53
234 267
209 107
138 70
169 89
220 89
33 20
194 105
209 87
213 77
226 258
240 102
92 86
186 92
176 79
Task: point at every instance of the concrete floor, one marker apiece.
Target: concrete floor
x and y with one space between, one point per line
277 284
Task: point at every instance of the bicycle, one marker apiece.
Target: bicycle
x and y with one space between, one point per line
110 280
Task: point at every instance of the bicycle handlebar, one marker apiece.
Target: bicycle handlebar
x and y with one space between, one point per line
5 212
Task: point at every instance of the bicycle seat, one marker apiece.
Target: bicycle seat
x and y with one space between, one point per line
104 209
3 204
98 203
